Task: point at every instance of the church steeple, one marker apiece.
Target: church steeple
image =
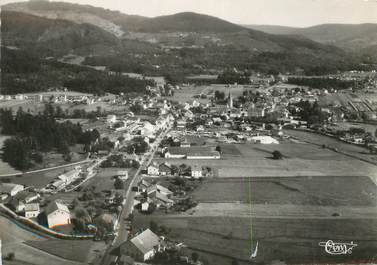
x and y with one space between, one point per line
230 99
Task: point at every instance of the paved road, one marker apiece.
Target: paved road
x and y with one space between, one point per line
129 204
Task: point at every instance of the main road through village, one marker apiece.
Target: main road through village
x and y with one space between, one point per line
122 233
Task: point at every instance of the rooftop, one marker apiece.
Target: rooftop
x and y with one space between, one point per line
146 241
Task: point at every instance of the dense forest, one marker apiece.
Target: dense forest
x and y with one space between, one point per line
232 77
34 135
24 72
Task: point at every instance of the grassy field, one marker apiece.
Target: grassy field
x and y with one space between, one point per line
38 179
300 159
294 241
66 249
13 240
321 191
186 94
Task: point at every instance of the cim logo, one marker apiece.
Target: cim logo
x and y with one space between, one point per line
334 248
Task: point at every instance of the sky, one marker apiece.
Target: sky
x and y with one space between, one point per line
296 13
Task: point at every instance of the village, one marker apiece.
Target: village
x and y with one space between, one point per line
159 154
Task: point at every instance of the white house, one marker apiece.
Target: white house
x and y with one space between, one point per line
32 210
123 174
10 189
111 119
153 169
196 172
144 206
143 247
57 214
264 139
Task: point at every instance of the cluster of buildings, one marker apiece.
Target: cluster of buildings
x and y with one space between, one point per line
166 169
155 194
27 203
63 180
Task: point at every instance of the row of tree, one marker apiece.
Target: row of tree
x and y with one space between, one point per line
33 135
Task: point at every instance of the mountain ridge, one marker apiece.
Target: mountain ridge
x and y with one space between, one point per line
346 36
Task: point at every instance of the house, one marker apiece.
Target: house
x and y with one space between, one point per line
57 214
31 197
110 119
123 174
160 189
165 169
162 200
10 189
264 139
176 152
204 155
70 176
153 169
143 247
145 206
144 185
196 172
32 210
181 124
16 205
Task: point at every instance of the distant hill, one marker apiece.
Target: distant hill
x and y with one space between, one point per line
114 22
49 36
187 22
346 36
175 45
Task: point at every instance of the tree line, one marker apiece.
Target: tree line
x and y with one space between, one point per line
34 135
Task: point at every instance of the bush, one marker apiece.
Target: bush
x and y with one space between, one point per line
10 256
119 184
277 155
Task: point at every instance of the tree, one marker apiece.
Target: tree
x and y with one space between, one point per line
218 149
10 256
119 184
277 155
82 218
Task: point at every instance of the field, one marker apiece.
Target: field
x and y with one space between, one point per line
291 240
38 179
300 159
186 94
288 206
25 254
318 139
319 191
66 249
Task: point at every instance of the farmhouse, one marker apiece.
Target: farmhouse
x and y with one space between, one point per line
57 214
153 169
10 189
196 172
264 139
32 210
175 152
143 247
204 155
165 169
